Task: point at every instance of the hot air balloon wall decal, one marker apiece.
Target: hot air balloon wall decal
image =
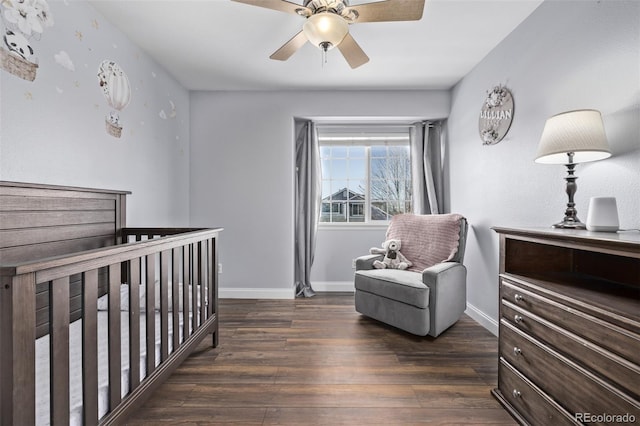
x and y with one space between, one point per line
117 91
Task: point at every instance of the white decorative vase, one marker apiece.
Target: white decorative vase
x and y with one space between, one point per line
603 214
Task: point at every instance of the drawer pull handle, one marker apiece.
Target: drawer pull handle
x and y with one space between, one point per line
517 351
518 319
519 298
516 393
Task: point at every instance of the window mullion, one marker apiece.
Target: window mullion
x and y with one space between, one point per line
367 195
347 204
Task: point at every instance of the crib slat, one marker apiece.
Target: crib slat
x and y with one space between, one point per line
186 280
17 350
175 279
115 363
210 270
150 270
194 287
203 281
90 348
59 351
213 296
134 322
164 304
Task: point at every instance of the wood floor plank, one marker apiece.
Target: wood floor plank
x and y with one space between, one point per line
353 346
282 358
454 396
302 395
200 416
372 375
383 416
216 373
170 395
257 344
317 361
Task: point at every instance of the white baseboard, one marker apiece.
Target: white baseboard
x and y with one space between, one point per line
256 293
483 319
283 293
333 286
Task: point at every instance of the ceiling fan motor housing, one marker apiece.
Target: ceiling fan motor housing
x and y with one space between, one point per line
339 7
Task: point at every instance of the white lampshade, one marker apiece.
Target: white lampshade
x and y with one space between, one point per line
325 27
580 132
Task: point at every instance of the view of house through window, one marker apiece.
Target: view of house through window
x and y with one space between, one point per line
365 178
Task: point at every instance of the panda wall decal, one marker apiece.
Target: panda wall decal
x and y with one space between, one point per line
117 91
23 23
18 45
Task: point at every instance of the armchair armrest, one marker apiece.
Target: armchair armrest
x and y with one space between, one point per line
366 262
447 284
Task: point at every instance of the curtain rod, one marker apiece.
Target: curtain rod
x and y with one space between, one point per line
373 125
362 125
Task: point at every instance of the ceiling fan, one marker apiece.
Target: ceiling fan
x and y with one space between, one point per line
327 23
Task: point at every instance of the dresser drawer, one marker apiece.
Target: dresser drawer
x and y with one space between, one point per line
607 365
612 337
536 407
561 378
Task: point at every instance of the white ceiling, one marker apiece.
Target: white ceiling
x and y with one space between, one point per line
224 45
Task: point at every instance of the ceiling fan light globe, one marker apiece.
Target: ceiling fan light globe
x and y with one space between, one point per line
325 27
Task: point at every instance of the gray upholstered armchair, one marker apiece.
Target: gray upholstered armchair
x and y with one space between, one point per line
431 295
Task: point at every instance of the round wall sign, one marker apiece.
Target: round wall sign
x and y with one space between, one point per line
496 115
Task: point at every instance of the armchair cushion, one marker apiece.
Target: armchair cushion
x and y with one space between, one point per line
395 284
427 239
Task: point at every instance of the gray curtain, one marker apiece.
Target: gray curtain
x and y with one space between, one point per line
427 159
307 203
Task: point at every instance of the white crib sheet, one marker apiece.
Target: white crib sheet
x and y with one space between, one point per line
75 364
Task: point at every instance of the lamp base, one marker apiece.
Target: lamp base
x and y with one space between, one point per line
570 224
570 220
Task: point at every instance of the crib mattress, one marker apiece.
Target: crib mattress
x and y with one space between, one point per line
75 364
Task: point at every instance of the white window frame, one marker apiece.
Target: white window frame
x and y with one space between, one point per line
367 140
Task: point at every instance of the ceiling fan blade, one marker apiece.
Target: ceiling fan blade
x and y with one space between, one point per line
352 52
290 47
280 5
389 10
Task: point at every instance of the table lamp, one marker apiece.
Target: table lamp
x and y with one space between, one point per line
570 138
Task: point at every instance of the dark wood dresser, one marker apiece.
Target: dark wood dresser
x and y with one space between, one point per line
569 334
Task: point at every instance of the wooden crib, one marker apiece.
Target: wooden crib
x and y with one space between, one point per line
62 250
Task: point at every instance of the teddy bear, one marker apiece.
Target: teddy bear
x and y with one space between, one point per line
393 259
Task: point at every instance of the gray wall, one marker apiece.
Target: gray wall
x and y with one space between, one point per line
53 131
336 247
242 170
566 55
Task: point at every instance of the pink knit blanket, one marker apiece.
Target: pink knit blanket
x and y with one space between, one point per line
426 239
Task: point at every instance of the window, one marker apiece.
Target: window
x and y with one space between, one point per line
365 178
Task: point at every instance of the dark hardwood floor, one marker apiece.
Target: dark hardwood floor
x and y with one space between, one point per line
317 361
